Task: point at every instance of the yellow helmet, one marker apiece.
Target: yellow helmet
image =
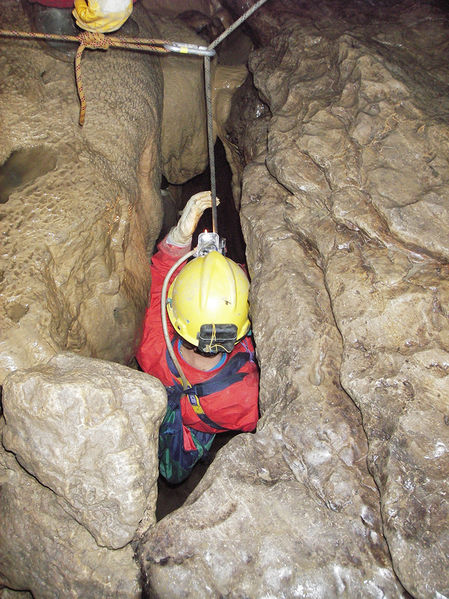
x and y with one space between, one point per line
208 303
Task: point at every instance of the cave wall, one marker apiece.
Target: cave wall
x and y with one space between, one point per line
340 153
78 476
80 212
75 233
362 147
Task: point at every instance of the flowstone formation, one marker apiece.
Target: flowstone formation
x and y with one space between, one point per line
344 151
80 205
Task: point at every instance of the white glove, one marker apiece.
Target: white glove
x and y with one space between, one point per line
182 234
102 15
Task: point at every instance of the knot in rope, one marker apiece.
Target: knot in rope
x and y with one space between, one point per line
93 40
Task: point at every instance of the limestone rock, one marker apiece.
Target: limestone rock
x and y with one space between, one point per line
227 81
81 206
88 430
274 516
396 370
45 551
360 151
345 220
184 142
344 210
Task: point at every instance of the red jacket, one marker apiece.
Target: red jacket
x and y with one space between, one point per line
235 407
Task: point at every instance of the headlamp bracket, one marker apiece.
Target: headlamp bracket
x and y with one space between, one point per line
210 242
217 338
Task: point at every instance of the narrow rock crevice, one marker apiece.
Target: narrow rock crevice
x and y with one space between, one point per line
333 119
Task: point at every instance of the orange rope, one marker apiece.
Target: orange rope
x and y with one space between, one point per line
93 41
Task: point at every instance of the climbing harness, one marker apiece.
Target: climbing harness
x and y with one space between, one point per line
180 446
228 375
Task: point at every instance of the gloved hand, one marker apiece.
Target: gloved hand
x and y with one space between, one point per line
102 15
182 234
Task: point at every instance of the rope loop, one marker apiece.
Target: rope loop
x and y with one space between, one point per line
93 40
98 41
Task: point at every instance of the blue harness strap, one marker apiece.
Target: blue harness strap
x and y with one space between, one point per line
227 376
176 462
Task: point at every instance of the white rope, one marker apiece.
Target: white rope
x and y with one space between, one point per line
208 90
236 24
171 351
210 140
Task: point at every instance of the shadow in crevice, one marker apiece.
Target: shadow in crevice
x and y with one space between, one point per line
22 168
171 497
228 218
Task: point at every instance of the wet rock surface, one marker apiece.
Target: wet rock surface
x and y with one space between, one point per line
80 205
386 278
184 148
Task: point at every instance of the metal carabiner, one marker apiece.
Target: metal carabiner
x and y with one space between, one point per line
182 48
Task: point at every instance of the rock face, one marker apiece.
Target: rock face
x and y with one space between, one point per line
106 472
79 205
184 140
291 510
362 157
80 210
345 171
44 549
184 143
85 433
84 436
341 156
